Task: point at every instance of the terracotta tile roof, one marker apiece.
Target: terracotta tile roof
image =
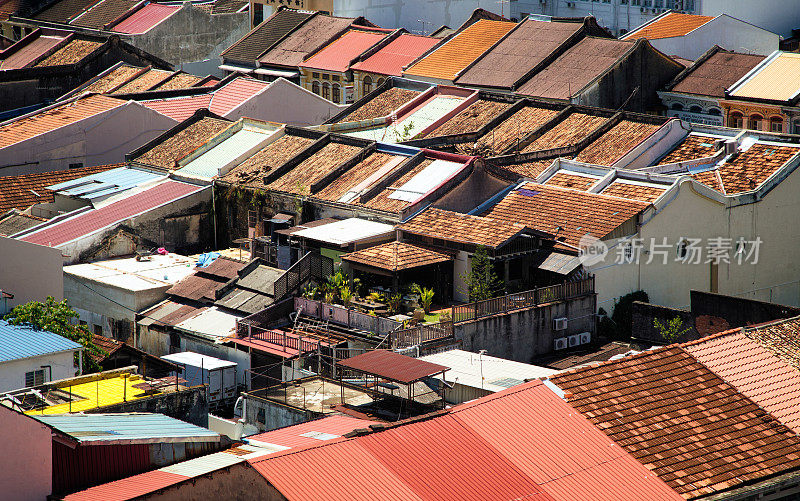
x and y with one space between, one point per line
391 59
251 172
692 147
146 81
550 454
314 168
572 180
7 8
748 170
182 143
52 119
567 132
20 192
525 47
576 68
62 11
457 53
516 127
13 222
618 188
673 24
782 338
337 55
106 344
228 6
617 142
317 31
33 47
103 13
712 76
529 169
97 219
114 78
146 18
263 36
682 421
382 104
545 208
179 81
455 227
381 201
472 118
397 256
70 53
357 174
754 371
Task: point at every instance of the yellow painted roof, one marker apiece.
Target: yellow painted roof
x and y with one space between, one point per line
779 80
97 394
461 50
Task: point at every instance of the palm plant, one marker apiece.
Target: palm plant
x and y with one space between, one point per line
425 297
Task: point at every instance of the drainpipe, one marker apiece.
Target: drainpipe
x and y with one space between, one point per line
80 362
214 211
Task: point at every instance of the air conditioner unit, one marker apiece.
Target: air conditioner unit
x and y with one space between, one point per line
586 337
559 324
560 343
574 340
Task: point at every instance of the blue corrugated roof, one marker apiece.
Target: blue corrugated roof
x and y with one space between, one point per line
18 342
127 428
105 183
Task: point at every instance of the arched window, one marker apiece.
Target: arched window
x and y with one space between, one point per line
337 93
380 82
315 88
736 120
326 90
755 122
776 124
695 109
677 106
714 111
797 127
367 85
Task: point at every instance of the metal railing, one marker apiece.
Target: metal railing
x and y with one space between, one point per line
521 300
345 316
420 334
311 265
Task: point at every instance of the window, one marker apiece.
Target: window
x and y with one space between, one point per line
326 90
17 32
755 122
98 329
337 93
714 111
314 74
77 165
380 82
677 106
325 76
736 120
796 127
367 84
34 378
82 322
258 13
336 78
695 109
628 252
315 88
658 4
776 124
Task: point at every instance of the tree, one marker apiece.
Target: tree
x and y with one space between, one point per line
670 330
482 282
57 317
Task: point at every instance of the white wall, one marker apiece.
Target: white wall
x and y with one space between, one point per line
26 470
611 15
102 139
779 16
285 102
12 373
31 272
406 14
725 31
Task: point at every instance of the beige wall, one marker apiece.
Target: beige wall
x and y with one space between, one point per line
31 272
26 471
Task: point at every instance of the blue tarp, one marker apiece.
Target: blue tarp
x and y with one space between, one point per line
206 259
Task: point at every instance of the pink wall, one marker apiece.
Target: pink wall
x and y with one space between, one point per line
26 467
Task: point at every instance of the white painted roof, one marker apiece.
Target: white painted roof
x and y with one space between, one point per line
345 231
427 179
211 322
129 274
197 360
234 149
498 374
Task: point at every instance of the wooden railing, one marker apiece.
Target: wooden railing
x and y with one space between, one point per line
521 300
311 265
420 334
273 314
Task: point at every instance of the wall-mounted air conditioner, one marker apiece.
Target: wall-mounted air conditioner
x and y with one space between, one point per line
574 340
560 343
586 337
560 323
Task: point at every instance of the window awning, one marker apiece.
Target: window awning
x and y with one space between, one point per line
276 73
230 67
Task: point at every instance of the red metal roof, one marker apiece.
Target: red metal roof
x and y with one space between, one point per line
93 220
391 59
27 50
145 18
179 108
128 488
393 366
521 443
293 436
336 56
235 93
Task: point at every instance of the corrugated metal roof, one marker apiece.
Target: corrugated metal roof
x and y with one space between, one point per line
241 142
345 231
484 371
393 366
337 55
202 465
671 24
97 219
18 342
179 108
521 443
776 79
310 433
391 59
146 18
197 360
106 429
213 322
105 183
